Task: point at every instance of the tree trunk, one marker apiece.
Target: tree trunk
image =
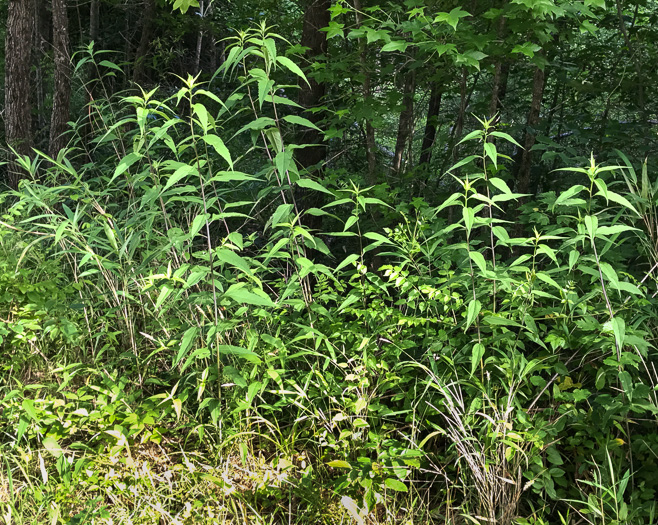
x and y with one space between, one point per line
501 70
148 23
18 118
499 88
40 49
94 21
430 125
523 173
62 77
633 57
406 122
371 145
316 16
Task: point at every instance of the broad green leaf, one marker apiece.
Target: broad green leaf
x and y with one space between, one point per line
238 351
313 185
506 137
240 294
615 197
566 195
28 407
500 184
220 147
338 463
476 356
230 257
202 114
179 174
619 330
280 214
474 307
617 228
395 45
491 152
478 259
186 343
125 163
300 121
291 66
468 215
591 223
395 484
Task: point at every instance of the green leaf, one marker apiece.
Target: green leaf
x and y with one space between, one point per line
202 114
615 197
125 163
395 45
52 446
238 351
591 223
491 152
186 343
474 307
300 121
240 294
179 174
468 215
566 195
313 185
395 484
500 185
506 137
280 213
476 356
28 406
619 330
617 228
291 66
478 259
230 257
338 463
220 147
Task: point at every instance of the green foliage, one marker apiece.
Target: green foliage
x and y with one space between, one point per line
485 362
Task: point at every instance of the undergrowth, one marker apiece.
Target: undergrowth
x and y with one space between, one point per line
181 346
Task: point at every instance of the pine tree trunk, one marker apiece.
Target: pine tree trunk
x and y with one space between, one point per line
316 16
62 86
18 118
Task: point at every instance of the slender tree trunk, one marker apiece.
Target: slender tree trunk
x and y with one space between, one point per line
199 39
18 118
371 145
316 16
636 65
523 173
406 122
62 85
463 104
499 88
430 125
148 23
501 70
94 21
